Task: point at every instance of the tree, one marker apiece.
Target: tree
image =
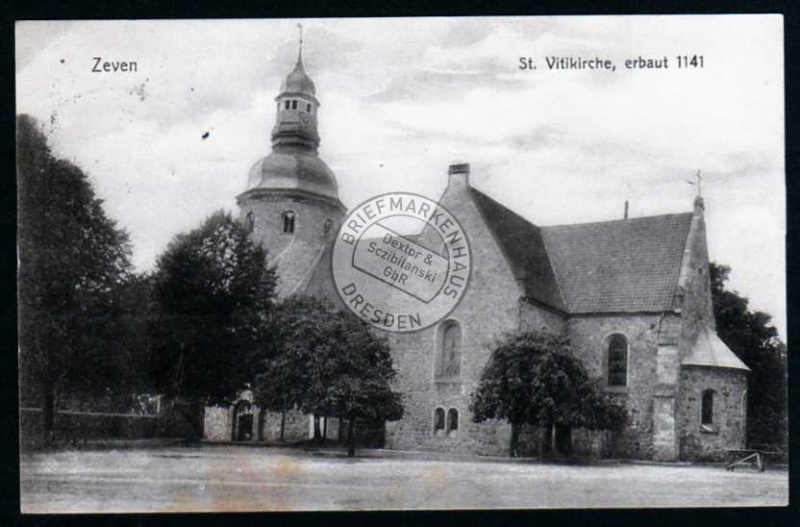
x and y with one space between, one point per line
73 260
533 378
752 337
329 363
213 298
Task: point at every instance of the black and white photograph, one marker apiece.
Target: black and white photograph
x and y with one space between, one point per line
435 263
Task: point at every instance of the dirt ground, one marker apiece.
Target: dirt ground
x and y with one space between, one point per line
238 478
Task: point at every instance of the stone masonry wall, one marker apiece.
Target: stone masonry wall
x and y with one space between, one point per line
698 443
489 308
294 254
533 318
218 425
588 337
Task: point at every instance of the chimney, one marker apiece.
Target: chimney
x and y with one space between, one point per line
626 210
458 175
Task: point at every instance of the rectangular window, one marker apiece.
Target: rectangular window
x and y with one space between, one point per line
287 105
294 105
308 107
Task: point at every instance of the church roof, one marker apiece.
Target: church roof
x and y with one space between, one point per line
524 249
619 266
298 81
293 170
623 266
607 267
709 350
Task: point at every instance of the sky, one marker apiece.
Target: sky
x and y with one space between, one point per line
402 99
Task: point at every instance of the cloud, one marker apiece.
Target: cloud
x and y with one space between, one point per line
403 98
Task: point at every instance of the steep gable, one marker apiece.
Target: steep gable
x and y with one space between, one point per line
618 266
524 249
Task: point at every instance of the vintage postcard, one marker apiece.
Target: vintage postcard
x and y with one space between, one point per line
401 263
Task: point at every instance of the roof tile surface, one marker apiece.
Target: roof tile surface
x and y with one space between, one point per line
618 266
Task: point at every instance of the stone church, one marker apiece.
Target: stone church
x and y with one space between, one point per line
633 295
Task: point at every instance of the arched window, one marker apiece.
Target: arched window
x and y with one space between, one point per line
327 226
438 421
707 408
249 222
288 222
452 420
449 360
617 357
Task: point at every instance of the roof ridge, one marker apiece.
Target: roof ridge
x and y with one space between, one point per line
498 204
605 222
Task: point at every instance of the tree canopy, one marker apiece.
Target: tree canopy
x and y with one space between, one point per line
533 378
753 338
213 298
73 261
328 362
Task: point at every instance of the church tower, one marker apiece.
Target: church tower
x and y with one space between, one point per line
291 205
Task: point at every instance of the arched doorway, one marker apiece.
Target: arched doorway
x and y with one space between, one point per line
242 421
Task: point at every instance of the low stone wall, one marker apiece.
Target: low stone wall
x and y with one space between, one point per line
295 428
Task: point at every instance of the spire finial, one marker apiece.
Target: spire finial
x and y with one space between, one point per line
698 199
698 182
300 45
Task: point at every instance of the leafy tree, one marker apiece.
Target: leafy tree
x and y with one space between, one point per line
119 370
329 363
533 378
213 298
73 261
752 337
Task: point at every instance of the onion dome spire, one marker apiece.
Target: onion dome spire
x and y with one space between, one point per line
298 82
294 162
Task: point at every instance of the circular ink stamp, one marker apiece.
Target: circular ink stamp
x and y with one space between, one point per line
401 262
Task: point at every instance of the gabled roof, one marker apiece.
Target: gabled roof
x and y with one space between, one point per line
620 266
524 249
709 350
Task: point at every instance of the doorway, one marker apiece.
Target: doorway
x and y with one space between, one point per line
242 421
